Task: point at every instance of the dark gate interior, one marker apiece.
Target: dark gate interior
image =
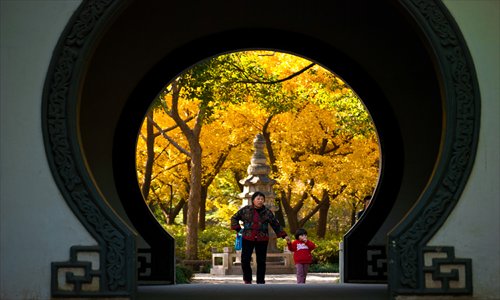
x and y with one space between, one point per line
370 44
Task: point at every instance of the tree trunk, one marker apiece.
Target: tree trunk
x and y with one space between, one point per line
353 214
150 150
322 220
185 214
274 169
206 182
291 214
279 213
203 208
174 212
193 138
194 202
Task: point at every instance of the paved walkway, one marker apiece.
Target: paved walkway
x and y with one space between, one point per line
312 278
319 286
266 291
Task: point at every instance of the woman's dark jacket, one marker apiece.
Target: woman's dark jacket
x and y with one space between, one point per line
256 226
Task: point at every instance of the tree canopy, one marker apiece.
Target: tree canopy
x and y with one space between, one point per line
196 142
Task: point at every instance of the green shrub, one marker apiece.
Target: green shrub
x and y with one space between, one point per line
212 237
327 251
324 268
183 274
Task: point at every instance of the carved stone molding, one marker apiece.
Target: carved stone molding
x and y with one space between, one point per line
445 273
376 260
408 274
114 275
81 275
144 268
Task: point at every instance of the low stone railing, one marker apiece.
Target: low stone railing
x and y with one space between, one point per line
229 262
196 265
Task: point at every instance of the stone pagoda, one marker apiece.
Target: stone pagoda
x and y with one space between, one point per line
258 181
278 261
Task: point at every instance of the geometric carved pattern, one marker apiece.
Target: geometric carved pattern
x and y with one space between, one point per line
462 109
81 275
445 274
144 266
115 272
376 260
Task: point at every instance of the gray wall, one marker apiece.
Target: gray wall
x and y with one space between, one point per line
474 225
37 227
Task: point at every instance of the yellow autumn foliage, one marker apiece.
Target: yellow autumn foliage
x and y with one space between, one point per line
323 134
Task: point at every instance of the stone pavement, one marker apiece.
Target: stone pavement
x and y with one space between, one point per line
312 278
239 291
319 286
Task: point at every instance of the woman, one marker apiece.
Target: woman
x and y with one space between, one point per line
256 218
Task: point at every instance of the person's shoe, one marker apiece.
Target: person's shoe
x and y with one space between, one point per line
248 282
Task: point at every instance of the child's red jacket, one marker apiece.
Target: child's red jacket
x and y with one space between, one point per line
302 251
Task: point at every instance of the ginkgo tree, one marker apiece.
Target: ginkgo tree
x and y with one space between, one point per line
309 159
201 126
320 162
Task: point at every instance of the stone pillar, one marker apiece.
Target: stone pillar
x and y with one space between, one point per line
258 180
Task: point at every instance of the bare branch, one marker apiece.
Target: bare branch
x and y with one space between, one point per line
280 80
165 135
173 127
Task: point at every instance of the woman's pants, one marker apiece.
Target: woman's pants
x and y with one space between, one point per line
246 258
302 272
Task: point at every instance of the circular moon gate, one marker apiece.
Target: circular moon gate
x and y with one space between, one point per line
114 57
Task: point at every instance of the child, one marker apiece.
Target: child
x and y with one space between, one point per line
301 249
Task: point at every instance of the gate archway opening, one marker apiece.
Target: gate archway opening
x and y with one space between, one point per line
312 122
390 141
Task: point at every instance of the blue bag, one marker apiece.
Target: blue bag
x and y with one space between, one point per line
238 242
